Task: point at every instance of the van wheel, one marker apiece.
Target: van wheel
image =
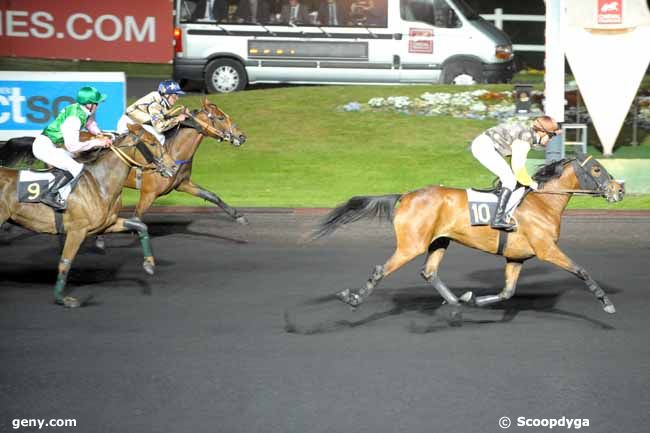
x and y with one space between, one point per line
462 72
225 76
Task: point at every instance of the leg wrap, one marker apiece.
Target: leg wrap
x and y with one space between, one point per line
137 225
442 289
375 278
62 278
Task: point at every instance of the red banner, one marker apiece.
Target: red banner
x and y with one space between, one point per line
115 30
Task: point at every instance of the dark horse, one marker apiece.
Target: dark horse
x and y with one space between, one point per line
94 204
429 218
182 143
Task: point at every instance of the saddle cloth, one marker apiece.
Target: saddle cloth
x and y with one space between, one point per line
482 205
33 184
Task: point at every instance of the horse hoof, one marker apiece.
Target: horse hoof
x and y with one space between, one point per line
242 220
349 297
149 265
468 297
609 309
69 302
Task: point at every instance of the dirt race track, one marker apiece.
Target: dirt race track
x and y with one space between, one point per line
203 346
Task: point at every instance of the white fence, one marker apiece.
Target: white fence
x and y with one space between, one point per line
499 17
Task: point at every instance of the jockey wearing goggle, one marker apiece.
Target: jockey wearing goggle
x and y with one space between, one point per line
60 140
154 111
515 140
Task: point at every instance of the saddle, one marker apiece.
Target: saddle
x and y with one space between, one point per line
34 184
482 203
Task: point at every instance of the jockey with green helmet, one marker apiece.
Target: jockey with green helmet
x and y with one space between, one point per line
154 111
60 140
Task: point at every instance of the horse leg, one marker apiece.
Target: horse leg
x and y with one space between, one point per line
437 251
73 241
191 188
134 224
553 254
400 257
512 271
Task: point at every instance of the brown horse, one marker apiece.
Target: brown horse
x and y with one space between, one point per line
210 121
429 218
93 205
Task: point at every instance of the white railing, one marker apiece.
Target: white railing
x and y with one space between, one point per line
499 17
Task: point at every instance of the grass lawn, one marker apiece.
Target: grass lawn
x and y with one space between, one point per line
302 152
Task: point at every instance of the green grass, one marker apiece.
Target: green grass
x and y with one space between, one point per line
302 152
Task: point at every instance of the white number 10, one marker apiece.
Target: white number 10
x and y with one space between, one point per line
481 212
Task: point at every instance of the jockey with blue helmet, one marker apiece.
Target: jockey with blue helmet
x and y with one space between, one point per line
59 141
154 111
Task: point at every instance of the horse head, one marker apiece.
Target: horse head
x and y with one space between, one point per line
584 173
592 176
218 120
147 150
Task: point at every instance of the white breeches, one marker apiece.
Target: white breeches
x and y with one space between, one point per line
126 120
46 151
483 149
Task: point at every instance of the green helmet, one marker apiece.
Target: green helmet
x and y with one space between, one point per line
90 95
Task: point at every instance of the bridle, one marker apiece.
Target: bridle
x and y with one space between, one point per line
589 185
208 128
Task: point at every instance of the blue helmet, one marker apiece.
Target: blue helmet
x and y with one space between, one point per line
170 87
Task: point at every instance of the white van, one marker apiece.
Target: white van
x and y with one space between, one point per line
228 46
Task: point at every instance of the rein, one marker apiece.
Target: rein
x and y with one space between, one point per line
126 159
207 128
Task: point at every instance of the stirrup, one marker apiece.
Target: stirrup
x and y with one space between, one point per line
504 225
54 201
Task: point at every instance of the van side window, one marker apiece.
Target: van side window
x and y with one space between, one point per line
368 13
435 12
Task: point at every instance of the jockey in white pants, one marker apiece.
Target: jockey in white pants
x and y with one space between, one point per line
60 140
151 111
515 140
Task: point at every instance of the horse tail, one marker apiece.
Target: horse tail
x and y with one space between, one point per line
16 151
382 207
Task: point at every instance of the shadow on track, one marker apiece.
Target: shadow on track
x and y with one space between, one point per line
327 314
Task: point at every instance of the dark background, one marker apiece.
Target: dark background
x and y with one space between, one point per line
520 32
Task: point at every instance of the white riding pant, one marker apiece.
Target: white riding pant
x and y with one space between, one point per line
483 149
126 120
46 151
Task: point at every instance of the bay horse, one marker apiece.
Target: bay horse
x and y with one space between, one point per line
428 219
182 144
93 205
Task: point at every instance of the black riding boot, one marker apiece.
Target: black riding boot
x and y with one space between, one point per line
499 222
52 197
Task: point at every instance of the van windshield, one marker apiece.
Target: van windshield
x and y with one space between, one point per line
328 13
466 10
435 12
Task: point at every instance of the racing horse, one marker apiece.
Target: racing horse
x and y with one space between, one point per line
209 121
428 219
93 205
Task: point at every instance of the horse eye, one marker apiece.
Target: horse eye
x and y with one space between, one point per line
221 117
596 169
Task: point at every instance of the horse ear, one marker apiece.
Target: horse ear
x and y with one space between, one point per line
134 128
206 102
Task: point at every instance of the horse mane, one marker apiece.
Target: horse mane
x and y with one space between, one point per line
90 156
551 170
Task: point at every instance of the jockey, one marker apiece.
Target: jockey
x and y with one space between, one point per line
60 139
152 111
514 140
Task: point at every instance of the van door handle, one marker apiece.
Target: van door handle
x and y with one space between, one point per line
397 36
